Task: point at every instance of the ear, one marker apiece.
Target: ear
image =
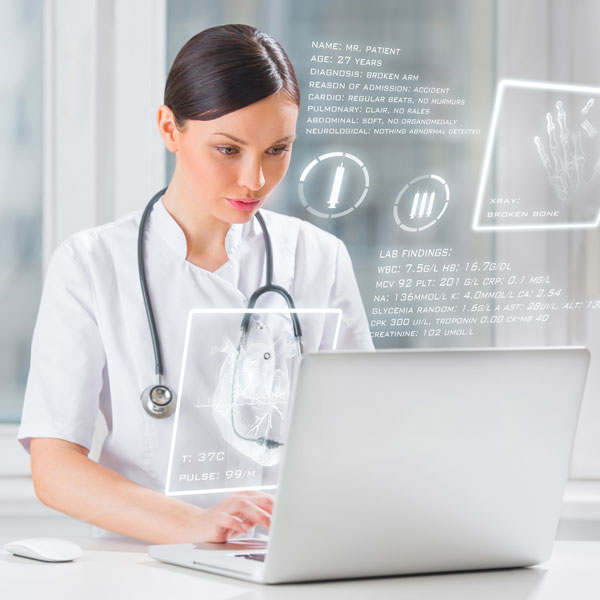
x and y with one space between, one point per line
167 128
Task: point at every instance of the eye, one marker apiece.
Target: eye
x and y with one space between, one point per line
227 150
278 150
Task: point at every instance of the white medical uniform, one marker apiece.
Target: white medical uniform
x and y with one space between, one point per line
92 348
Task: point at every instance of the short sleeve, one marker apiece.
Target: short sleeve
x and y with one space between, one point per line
354 330
67 357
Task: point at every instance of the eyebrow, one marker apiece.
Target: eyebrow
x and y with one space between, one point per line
235 139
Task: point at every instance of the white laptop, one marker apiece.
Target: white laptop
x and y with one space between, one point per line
413 461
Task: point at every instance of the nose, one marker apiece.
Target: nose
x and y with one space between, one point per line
251 175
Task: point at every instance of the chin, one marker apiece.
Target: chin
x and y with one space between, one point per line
242 218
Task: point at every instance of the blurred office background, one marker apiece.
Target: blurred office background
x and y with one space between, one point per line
81 82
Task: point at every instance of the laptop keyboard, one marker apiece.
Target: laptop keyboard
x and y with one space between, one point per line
260 556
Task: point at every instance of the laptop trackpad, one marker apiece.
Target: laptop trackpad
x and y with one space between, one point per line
243 545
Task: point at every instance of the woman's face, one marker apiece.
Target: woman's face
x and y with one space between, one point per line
230 165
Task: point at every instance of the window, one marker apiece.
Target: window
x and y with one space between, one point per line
21 201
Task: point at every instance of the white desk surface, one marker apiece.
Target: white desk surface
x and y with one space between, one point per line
110 570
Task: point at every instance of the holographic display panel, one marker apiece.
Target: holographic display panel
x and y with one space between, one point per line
542 163
453 146
235 395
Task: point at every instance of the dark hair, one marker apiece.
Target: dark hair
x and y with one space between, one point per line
225 68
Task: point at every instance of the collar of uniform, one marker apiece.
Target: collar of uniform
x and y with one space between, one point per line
240 232
171 232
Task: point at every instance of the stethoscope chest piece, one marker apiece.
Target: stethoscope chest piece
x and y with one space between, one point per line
159 401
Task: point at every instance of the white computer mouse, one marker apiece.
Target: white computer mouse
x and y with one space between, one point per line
45 548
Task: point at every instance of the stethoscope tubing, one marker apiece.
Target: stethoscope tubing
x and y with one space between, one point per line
144 284
269 287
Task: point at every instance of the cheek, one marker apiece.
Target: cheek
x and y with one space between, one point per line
276 170
193 160
203 167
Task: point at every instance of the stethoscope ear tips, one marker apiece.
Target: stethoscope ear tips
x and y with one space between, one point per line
159 401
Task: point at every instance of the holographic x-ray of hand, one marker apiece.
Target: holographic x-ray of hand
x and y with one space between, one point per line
565 159
251 399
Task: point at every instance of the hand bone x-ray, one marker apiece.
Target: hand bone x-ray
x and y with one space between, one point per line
543 163
565 158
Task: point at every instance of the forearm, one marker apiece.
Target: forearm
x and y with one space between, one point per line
68 481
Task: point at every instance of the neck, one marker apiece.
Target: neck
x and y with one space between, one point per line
204 234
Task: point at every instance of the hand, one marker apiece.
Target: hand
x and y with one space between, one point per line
565 161
235 515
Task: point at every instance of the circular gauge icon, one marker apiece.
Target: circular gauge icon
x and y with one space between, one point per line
421 203
333 185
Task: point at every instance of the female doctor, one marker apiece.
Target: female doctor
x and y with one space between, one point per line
229 116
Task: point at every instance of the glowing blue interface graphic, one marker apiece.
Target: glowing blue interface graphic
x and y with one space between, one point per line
322 194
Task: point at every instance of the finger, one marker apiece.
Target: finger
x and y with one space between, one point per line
553 142
543 155
253 493
266 504
578 157
589 129
552 176
561 117
251 514
586 109
265 501
261 497
231 522
562 178
565 140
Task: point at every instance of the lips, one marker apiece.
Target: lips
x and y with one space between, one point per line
244 203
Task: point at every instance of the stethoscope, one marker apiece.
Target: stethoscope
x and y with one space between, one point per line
159 400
